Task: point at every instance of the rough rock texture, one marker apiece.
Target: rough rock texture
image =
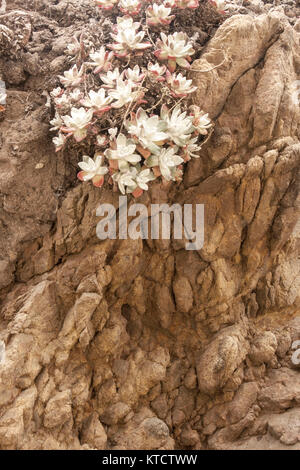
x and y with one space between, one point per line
127 344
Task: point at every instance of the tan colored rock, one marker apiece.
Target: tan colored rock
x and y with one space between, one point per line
223 355
286 427
115 413
58 410
93 433
183 294
263 348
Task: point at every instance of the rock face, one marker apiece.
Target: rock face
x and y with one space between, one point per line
125 344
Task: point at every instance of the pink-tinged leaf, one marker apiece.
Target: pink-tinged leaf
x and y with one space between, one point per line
160 54
98 69
105 7
164 111
80 139
142 102
144 152
67 130
172 65
171 18
99 112
156 171
113 164
137 192
183 63
178 95
98 181
121 55
81 175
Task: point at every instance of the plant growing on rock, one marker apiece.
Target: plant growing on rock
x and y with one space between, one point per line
176 49
127 109
158 15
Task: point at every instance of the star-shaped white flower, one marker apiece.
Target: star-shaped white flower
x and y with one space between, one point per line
124 152
75 95
135 74
143 177
124 93
77 123
125 180
59 141
98 101
149 131
101 60
92 169
126 22
158 14
128 40
179 85
56 122
179 125
167 161
130 7
56 92
157 71
111 78
72 77
176 48
201 121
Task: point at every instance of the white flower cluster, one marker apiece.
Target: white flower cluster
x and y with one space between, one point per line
138 147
